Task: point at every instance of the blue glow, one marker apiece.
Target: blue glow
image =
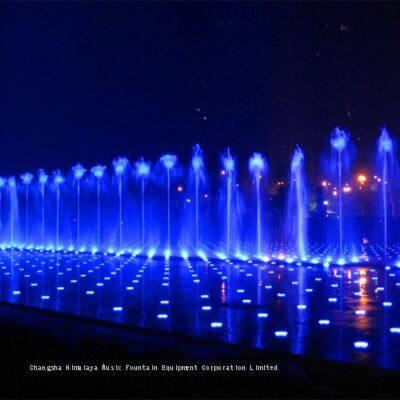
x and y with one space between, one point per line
78 171
169 160
42 177
120 164
98 171
361 345
27 178
339 139
142 168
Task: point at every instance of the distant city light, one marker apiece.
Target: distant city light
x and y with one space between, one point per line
346 189
361 178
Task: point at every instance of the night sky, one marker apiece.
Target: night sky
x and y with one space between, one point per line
91 81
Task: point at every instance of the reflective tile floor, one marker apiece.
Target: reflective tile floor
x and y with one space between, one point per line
341 313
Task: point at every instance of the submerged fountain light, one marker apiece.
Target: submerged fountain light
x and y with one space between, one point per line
361 345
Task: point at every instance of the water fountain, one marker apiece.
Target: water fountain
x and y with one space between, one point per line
98 172
388 167
142 169
120 164
2 184
339 142
229 172
197 170
169 161
257 166
13 207
42 181
26 180
58 180
78 171
206 223
296 224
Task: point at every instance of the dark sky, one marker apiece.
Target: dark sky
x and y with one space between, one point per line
88 82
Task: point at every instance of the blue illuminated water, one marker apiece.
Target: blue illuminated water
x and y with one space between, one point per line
341 313
177 208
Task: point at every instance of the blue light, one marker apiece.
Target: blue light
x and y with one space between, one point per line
169 160
184 254
332 299
361 345
142 168
324 322
98 171
78 171
216 324
281 334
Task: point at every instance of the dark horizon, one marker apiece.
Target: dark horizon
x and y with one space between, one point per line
91 81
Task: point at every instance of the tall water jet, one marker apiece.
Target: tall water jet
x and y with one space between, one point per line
197 169
26 180
168 161
13 198
297 204
229 171
257 166
2 183
42 182
98 173
78 171
120 165
58 180
339 143
387 164
142 171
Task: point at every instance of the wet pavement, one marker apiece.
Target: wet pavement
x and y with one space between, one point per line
337 313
